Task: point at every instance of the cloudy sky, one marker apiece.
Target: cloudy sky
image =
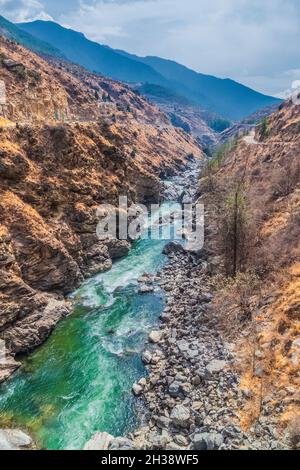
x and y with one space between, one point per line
255 42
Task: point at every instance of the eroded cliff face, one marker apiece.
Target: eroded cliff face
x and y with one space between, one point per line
69 141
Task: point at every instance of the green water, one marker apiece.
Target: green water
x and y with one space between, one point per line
80 380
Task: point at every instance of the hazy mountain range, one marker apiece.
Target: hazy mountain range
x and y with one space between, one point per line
223 96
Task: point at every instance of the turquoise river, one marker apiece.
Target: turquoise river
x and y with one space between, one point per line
80 380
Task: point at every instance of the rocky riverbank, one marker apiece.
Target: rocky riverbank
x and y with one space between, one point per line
193 393
192 396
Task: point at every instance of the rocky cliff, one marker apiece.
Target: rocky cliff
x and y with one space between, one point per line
69 140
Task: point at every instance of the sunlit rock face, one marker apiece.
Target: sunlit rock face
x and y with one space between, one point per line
70 141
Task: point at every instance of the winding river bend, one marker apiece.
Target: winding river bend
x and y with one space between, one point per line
80 380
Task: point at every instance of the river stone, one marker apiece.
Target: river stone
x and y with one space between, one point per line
137 389
183 345
121 443
180 416
155 337
196 381
173 247
180 440
207 441
143 382
100 441
14 439
175 390
215 367
146 289
163 422
158 441
146 357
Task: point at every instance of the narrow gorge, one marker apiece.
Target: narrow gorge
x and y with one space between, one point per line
148 343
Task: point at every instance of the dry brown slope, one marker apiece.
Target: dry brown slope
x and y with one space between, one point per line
78 140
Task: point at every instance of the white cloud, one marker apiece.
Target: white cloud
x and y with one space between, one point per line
23 10
254 42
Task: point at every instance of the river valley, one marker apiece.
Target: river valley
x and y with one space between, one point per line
80 381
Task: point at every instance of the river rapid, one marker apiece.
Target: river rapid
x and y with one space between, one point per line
80 381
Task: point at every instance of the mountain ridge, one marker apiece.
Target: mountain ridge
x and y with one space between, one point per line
70 140
11 31
90 54
224 96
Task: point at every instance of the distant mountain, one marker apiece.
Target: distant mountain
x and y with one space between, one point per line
91 55
223 96
11 31
203 124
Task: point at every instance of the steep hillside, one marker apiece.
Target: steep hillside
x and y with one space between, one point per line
202 124
70 140
225 97
252 195
246 125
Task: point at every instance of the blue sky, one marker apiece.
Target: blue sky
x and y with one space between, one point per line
253 41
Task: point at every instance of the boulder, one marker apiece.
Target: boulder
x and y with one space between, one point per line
180 416
207 441
195 248
121 443
14 439
146 289
146 357
137 389
100 441
8 365
173 247
155 337
214 368
118 248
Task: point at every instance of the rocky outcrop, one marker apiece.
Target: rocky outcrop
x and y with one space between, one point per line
104 441
14 439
